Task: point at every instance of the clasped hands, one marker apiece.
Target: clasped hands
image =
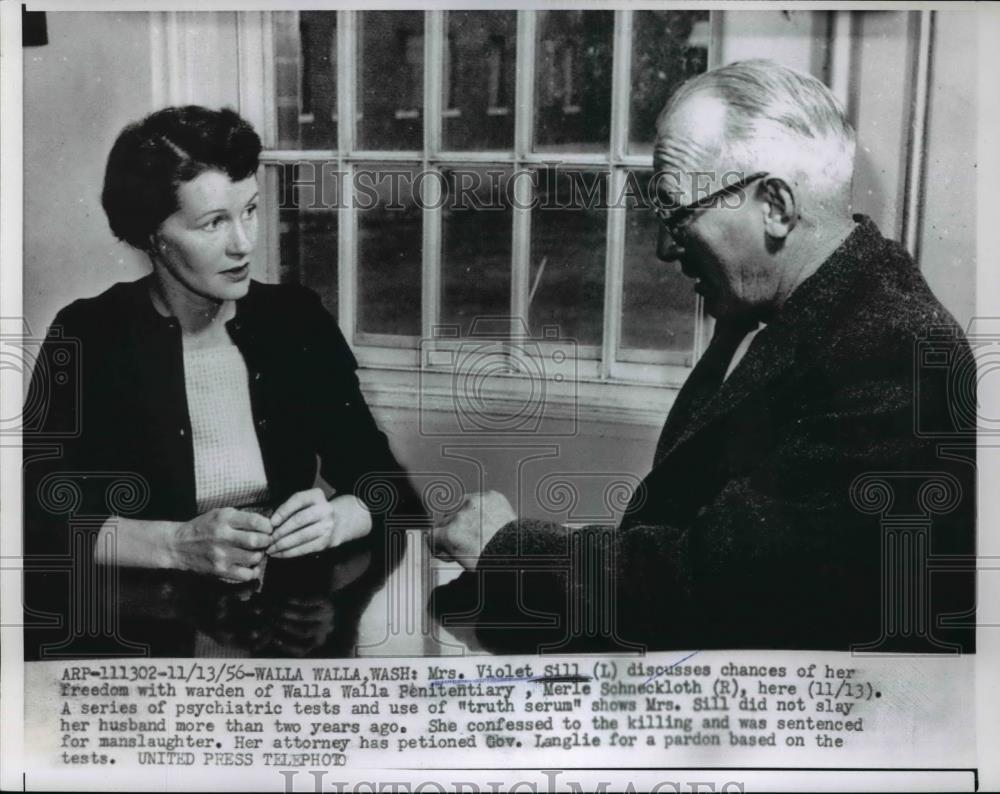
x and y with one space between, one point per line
461 536
232 544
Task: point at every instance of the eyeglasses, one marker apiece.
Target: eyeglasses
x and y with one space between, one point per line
677 219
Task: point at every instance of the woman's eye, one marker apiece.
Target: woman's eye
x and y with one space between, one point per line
214 224
250 211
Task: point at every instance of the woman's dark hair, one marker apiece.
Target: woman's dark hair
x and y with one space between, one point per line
153 157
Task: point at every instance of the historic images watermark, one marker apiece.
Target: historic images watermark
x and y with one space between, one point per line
547 186
548 782
496 379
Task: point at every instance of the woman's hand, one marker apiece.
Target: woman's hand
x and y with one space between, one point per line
307 522
225 542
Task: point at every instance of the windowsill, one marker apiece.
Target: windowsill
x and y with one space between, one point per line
499 396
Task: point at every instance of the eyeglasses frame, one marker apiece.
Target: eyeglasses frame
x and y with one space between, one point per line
674 220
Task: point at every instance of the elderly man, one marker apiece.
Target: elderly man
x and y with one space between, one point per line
760 523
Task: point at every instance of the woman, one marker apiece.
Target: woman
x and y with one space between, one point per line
202 398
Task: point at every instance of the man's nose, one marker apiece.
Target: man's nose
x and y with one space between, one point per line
667 248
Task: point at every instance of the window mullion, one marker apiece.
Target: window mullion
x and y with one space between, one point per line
271 226
715 34
254 37
615 256
524 104
347 78
613 273
347 253
621 69
434 55
703 324
524 88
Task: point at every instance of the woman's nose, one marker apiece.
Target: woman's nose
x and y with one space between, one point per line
667 248
242 238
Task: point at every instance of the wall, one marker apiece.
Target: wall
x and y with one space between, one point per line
796 39
948 239
538 472
877 103
80 89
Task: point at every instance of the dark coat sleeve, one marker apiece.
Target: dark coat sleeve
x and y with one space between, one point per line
790 549
355 454
68 494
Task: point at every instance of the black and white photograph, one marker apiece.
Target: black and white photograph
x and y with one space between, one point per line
582 386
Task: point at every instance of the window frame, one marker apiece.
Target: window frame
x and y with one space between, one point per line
608 373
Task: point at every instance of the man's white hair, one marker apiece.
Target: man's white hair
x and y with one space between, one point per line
777 119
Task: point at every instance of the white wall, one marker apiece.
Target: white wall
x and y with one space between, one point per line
948 239
796 39
89 81
93 77
877 105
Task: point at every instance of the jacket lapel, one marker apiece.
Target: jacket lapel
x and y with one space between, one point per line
770 355
702 384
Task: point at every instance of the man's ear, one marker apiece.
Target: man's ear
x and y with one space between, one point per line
779 209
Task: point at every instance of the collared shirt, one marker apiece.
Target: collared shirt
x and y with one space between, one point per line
742 349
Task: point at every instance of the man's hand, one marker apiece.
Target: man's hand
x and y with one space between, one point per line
461 536
307 522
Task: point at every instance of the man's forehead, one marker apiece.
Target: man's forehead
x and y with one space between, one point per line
690 137
681 154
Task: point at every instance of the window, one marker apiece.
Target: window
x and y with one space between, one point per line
429 169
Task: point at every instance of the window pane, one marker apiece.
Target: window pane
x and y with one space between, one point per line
307 228
668 47
305 79
573 82
390 243
478 102
391 80
568 241
658 302
477 223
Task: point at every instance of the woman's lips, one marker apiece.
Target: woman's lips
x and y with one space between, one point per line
237 273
